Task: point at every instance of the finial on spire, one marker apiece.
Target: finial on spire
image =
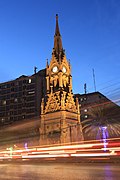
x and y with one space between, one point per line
56 16
47 65
47 61
35 69
69 62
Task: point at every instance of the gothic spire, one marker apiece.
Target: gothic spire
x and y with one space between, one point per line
57 32
57 39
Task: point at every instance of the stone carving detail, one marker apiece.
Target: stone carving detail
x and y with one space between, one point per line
70 104
60 101
52 103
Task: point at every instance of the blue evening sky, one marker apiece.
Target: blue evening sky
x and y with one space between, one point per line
90 32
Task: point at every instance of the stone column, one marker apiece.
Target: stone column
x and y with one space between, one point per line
48 84
60 79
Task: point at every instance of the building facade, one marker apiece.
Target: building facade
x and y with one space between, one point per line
98 114
20 99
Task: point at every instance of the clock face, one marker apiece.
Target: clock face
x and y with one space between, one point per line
64 69
55 68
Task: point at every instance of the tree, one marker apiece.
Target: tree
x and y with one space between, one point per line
103 120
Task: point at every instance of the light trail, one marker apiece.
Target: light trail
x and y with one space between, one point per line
95 154
87 149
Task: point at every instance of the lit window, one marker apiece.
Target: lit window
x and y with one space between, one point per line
4 102
30 80
3 119
16 100
86 116
31 92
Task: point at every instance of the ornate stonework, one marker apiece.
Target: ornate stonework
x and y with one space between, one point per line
53 103
59 101
70 104
60 114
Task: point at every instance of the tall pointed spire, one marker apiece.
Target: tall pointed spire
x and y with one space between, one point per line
57 32
57 39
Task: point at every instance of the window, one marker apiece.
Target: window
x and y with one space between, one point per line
3 119
12 89
31 92
17 83
4 86
30 80
12 84
4 102
16 100
86 116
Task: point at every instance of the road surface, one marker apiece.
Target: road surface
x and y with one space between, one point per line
60 171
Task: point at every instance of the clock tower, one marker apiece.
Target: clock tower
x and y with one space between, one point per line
60 113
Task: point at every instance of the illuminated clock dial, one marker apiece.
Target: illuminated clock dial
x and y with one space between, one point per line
55 69
64 69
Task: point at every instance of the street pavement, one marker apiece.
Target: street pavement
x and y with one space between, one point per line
59 171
